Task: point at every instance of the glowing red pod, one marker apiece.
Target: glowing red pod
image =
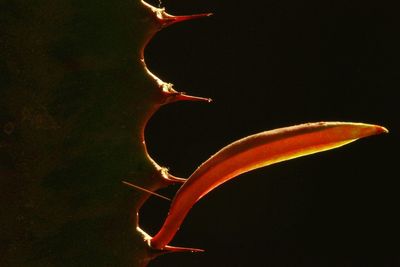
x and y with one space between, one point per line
252 152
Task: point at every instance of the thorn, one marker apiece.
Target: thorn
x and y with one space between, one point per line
181 249
175 179
167 19
181 96
166 249
145 190
173 96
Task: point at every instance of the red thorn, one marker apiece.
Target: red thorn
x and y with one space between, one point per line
183 97
173 179
174 96
165 249
167 19
181 249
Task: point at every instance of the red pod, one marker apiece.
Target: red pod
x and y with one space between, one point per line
256 151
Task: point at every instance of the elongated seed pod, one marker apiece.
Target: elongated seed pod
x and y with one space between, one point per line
254 152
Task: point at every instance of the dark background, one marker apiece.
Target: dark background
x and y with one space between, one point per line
270 64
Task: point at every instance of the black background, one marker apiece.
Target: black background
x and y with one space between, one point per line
270 64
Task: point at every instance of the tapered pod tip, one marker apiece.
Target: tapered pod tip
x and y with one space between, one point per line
381 129
360 130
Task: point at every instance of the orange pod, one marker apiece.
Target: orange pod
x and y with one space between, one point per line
256 151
